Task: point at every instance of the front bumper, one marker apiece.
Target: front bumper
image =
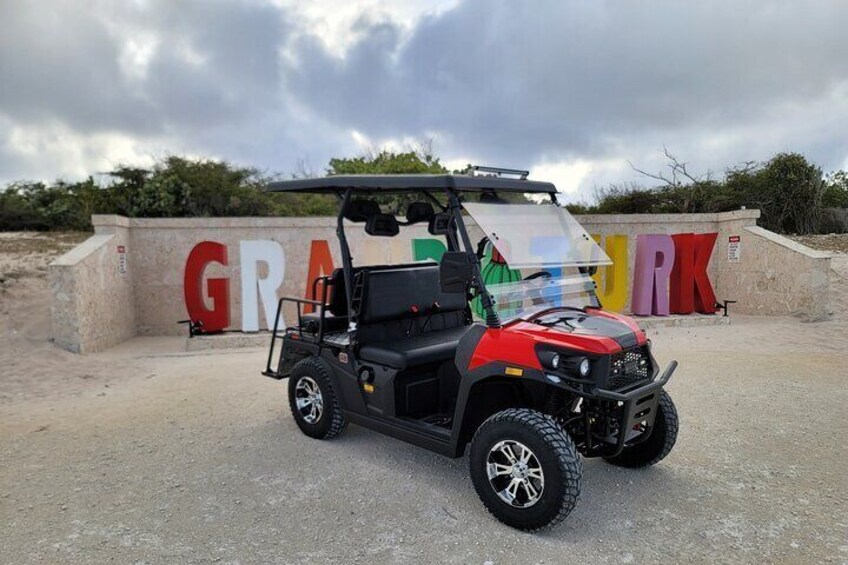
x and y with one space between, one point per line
638 408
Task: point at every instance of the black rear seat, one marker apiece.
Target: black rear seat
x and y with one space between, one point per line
335 315
407 320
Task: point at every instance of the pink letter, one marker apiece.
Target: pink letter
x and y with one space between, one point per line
654 259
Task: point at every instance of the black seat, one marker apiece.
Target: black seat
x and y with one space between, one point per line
407 320
335 317
421 349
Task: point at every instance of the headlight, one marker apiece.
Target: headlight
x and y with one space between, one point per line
578 366
550 359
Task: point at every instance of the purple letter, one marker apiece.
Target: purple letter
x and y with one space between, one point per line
654 259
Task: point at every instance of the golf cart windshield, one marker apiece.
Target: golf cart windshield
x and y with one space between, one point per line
535 257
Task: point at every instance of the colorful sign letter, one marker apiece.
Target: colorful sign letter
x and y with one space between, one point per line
253 288
705 300
613 292
654 260
320 264
218 317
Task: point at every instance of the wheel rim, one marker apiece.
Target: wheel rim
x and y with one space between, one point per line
515 474
308 399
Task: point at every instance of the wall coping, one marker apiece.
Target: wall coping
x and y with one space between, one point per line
676 218
788 243
330 221
110 220
82 250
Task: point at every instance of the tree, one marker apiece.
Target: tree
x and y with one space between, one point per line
418 160
836 190
788 190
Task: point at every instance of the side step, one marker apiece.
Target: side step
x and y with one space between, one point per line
274 375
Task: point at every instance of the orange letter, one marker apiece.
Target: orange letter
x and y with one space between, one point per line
320 263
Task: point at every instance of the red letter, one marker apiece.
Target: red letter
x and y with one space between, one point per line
218 318
682 294
320 263
705 299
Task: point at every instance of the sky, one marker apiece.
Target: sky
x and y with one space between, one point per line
577 92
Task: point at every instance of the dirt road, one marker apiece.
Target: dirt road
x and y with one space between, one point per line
194 458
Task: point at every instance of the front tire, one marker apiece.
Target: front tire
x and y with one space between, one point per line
313 401
658 444
525 469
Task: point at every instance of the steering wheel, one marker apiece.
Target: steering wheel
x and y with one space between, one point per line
538 275
535 295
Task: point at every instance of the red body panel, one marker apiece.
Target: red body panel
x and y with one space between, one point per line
516 342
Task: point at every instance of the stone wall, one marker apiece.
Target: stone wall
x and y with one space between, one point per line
93 305
782 277
96 305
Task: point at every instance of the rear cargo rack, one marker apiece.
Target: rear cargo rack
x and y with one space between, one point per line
296 330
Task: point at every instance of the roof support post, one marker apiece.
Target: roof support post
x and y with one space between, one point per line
347 261
492 318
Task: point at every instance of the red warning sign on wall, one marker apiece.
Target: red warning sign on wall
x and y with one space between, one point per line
734 244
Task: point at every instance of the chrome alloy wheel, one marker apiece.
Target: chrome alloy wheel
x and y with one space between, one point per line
515 473
308 398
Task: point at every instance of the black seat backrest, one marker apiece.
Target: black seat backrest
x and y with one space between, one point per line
405 292
336 296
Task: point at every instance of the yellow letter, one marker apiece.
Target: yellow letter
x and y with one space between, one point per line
612 292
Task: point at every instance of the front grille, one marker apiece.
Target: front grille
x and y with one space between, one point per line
629 367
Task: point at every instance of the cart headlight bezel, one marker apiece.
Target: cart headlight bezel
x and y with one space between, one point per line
551 360
580 366
576 365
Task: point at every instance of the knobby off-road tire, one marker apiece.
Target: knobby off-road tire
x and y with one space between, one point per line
658 444
553 456
309 380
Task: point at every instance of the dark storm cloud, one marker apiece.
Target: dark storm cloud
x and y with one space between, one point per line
513 83
63 62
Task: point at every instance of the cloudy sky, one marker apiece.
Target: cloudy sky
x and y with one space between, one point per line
572 90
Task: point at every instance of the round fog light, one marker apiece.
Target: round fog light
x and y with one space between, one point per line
585 367
555 361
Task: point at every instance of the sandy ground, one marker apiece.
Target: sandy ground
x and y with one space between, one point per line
834 242
148 454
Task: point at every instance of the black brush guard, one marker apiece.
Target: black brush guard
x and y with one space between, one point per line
633 405
637 405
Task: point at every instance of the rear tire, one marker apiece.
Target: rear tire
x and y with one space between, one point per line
313 401
659 443
526 469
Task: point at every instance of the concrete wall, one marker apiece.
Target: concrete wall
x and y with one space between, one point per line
93 304
96 306
784 278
